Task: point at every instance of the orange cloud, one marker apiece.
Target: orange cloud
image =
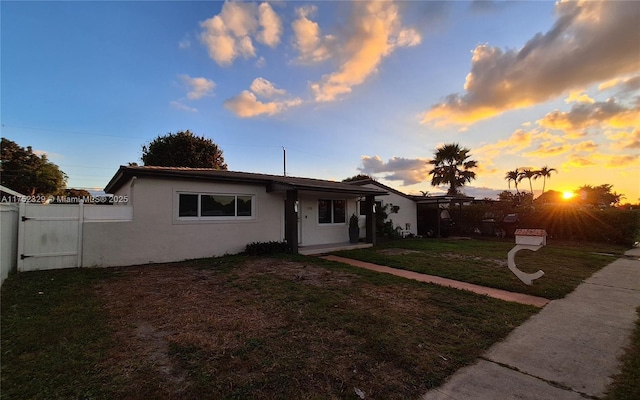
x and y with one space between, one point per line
229 34
586 115
625 140
575 160
377 32
623 161
247 105
589 43
308 39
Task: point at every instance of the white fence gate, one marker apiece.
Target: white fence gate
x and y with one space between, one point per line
8 239
50 236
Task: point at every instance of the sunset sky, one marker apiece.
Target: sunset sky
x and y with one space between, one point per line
345 87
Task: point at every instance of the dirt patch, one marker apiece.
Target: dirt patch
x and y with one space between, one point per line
268 328
295 271
398 252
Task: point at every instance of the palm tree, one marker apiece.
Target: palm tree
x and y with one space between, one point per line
545 172
451 166
513 176
529 174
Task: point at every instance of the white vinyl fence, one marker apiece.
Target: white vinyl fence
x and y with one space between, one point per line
8 239
50 236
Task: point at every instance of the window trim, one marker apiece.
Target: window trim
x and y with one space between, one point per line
214 218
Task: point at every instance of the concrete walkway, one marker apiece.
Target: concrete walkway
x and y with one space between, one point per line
569 350
491 292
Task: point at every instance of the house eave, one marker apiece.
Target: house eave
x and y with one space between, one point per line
273 183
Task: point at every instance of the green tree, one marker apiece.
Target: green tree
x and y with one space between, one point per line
451 166
507 197
359 177
29 173
529 174
183 149
598 196
544 173
513 176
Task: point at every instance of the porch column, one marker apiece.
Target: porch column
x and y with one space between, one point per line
369 203
291 220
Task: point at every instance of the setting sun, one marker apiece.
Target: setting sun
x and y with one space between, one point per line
568 195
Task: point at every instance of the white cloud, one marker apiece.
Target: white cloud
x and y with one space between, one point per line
308 39
181 106
590 42
247 105
200 87
408 170
264 88
376 32
271 25
228 35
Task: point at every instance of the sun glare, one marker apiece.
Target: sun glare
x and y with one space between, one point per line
568 195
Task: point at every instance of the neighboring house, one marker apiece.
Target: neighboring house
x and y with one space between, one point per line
418 215
435 220
406 217
185 213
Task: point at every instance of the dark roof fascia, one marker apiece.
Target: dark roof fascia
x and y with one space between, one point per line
273 183
441 199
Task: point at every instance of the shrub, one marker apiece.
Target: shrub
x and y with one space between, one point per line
564 222
265 248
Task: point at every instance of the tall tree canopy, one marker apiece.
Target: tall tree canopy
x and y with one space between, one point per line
598 196
544 173
29 173
183 149
451 166
528 174
359 177
513 176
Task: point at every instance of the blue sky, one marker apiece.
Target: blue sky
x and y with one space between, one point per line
345 87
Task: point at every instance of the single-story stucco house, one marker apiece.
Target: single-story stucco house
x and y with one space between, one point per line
186 213
406 217
417 215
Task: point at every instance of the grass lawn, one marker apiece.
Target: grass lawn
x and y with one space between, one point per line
237 328
484 262
626 384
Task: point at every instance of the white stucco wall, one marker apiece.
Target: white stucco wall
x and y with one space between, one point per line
157 235
311 231
407 214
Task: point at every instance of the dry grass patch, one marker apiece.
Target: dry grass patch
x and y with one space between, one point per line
287 328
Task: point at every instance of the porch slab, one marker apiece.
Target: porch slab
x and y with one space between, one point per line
331 247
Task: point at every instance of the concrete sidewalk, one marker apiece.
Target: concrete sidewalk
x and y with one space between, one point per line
569 350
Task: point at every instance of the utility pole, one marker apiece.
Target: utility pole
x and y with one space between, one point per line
284 158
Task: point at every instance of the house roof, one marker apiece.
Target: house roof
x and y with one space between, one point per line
381 186
274 183
445 198
418 199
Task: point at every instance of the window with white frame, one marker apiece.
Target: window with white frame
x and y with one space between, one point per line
214 206
332 211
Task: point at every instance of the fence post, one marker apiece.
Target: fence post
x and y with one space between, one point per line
80 226
21 213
